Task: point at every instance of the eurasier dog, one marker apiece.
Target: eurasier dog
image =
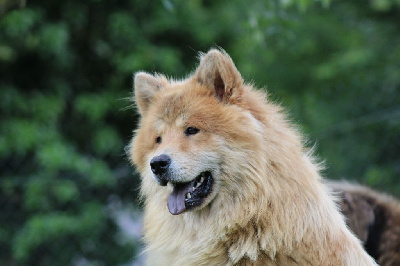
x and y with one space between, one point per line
226 179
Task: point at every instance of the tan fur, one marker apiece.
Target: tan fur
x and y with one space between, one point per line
268 205
374 217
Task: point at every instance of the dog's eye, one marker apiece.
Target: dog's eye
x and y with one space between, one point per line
158 139
191 131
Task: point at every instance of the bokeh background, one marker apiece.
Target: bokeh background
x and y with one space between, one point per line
68 195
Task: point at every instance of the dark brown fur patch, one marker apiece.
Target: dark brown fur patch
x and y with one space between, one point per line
375 218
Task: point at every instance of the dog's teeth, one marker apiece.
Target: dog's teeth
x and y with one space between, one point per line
202 179
188 195
198 184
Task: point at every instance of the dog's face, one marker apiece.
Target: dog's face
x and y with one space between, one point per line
180 151
190 130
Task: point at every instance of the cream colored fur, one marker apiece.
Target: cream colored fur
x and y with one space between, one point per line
268 205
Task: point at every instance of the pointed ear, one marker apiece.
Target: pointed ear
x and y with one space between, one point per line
218 72
145 85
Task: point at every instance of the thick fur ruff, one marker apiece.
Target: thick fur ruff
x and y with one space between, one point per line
374 217
267 205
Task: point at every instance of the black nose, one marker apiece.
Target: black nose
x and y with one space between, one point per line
159 164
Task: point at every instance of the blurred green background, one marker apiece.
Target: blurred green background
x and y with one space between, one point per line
67 191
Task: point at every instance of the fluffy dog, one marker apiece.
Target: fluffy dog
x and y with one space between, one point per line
374 217
226 179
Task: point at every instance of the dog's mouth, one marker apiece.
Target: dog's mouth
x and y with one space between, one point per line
186 196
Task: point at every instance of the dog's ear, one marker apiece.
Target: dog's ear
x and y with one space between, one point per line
218 72
145 85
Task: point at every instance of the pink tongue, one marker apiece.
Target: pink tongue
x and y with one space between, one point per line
176 201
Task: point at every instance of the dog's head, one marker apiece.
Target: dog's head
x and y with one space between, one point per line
196 134
365 217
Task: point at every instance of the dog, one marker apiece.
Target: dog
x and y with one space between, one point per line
374 217
226 179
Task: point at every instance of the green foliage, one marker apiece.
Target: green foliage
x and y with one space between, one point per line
337 70
66 69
